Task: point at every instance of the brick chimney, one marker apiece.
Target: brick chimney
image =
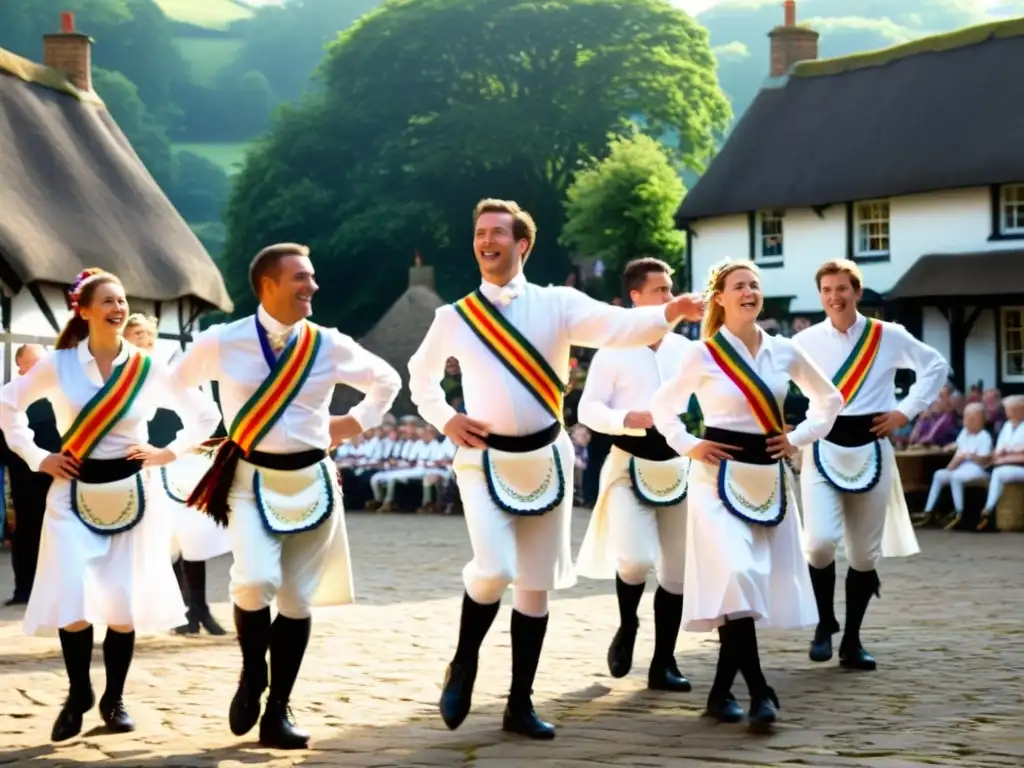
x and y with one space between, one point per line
791 43
70 52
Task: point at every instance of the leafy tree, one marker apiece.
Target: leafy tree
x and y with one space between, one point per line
200 188
622 207
429 105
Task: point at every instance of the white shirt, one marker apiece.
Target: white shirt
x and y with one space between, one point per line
553 318
1011 438
231 355
829 348
976 444
69 378
724 406
624 380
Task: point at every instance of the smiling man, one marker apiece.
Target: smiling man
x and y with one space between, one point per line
848 478
514 464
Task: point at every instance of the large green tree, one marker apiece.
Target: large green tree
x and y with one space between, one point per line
429 105
622 207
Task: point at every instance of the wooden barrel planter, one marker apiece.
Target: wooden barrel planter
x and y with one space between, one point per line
1010 508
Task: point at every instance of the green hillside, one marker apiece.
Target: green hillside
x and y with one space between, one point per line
210 14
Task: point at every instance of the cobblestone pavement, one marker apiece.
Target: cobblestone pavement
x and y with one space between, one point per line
947 632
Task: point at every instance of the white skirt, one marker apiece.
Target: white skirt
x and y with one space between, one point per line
736 569
194 534
124 579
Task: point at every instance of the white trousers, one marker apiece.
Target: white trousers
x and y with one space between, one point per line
967 473
300 570
383 483
999 479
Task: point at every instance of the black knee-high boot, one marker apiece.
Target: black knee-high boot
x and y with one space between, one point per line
77 650
198 611
663 674
527 634
118 650
860 587
722 705
824 582
620 652
457 692
253 629
764 704
288 641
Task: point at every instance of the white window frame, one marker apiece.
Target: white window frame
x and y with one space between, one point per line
765 241
872 220
1011 209
1011 342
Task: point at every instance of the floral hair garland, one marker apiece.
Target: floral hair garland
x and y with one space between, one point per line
713 275
80 280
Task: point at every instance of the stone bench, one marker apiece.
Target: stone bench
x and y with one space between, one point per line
1010 508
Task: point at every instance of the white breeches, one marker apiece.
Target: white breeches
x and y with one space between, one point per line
647 538
998 480
967 473
531 553
383 483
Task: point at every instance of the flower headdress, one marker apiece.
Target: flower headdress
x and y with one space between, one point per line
713 274
80 280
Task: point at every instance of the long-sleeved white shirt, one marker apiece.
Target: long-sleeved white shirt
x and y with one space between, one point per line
829 348
724 405
231 355
553 319
973 444
1011 438
69 378
624 380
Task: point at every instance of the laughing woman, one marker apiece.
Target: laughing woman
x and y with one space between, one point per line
103 556
743 556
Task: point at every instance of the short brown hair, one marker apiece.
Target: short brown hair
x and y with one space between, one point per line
840 267
523 225
635 274
267 262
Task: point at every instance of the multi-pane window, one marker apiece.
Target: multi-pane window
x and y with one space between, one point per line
769 237
1013 344
1011 209
871 228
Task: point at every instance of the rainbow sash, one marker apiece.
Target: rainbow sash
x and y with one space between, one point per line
850 377
762 402
518 355
107 407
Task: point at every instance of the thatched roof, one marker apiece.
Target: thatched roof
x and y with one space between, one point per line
395 337
934 114
73 194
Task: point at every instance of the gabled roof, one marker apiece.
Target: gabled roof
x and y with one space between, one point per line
937 113
73 194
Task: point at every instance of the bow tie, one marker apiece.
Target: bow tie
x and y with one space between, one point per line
501 297
278 341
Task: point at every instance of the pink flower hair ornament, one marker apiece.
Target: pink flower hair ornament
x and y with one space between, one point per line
76 286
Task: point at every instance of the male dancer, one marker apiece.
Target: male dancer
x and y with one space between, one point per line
640 515
847 478
272 482
514 466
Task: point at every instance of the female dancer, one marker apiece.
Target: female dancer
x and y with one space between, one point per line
103 556
196 538
743 556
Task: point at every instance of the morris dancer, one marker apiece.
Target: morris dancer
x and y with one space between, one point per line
639 521
514 466
103 558
743 559
849 480
196 538
272 482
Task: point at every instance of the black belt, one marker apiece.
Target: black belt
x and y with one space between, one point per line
286 462
753 449
651 447
853 431
99 471
524 443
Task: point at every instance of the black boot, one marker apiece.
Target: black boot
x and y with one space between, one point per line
118 649
824 582
459 678
198 611
860 586
253 629
77 650
663 674
527 640
191 626
764 704
620 652
288 641
722 705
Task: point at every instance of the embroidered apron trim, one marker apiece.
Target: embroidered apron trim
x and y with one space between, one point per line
763 404
659 483
294 501
110 508
525 483
756 493
849 470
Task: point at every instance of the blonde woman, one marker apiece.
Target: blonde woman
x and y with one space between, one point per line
196 538
743 556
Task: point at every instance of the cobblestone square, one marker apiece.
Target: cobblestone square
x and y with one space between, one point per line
948 633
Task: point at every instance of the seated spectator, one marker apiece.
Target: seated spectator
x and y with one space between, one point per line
1008 458
437 475
994 411
405 453
967 467
937 426
580 440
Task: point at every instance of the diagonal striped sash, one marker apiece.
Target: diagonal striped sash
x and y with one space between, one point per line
762 402
518 355
107 406
850 378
